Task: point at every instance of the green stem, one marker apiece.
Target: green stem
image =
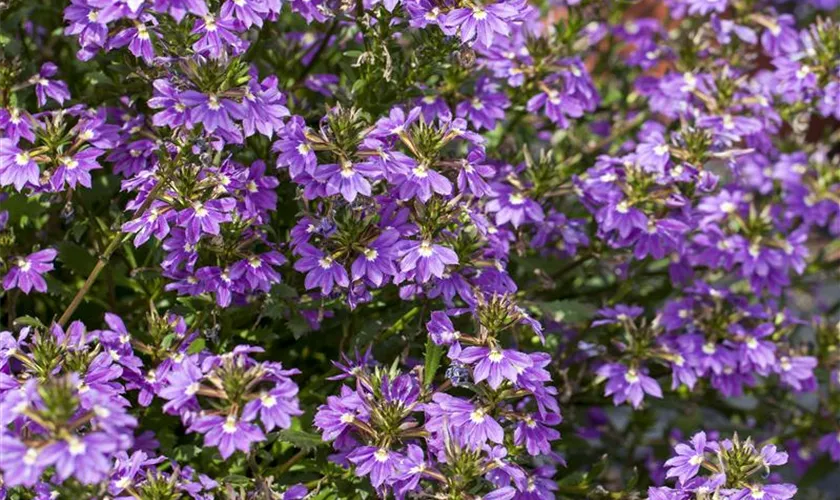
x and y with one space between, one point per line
116 240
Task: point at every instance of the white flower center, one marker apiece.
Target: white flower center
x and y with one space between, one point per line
268 400
22 158
347 170
425 249
516 199
76 446
31 456
478 416
210 23
230 425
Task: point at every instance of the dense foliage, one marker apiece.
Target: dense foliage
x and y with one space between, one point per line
453 249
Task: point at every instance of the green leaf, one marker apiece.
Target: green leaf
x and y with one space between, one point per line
306 441
197 346
569 311
23 209
76 258
299 326
29 321
283 291
433 354
237 480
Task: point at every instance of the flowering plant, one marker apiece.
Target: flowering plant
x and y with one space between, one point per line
452 249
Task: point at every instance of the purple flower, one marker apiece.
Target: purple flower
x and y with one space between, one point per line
249 12
426 259
617 315
780 37
830 443
222 282
486 108
154 221
755 352
472 175
628 384
227 433
482 22
139 41
275 407
73 170
622 217
181 386
704 7
295 150
87 458
441 329
396 123
17 167
766 492
217 34
797 372
263 106
212 112
179 8
471 425
336 417
494 364
412 468
44 87
514 207
380 463
167 98
536 433
376 262
21 465
687 463
205 217
347 178
321 270
83 22
829 105
27 272
16 124
421 181
258 270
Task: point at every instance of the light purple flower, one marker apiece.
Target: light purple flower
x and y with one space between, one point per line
495 364
27 272
227 433
17 167
628 384
380 463
426 259
687 463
